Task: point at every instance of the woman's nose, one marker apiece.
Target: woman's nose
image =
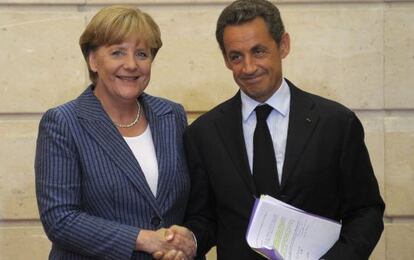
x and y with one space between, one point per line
130 62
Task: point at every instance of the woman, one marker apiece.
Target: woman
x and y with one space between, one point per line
110 169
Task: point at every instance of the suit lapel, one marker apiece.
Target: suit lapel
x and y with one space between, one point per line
161 119
230 129
97 123
303 119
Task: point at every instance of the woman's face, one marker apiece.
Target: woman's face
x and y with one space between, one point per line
123 70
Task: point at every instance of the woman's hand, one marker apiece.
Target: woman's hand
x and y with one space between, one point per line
184 243
151 241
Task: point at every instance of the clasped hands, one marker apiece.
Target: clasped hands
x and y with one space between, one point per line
174 243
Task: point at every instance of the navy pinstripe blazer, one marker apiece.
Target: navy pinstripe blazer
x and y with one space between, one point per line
92 195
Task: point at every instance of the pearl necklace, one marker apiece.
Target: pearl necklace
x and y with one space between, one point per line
133 122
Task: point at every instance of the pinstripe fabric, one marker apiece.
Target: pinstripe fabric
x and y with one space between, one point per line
92 195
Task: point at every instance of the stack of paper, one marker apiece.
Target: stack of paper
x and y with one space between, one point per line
280 231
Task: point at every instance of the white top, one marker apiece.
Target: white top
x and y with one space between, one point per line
143 148
277 121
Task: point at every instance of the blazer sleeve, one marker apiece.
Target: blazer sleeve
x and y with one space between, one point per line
58 171
200 218
362 207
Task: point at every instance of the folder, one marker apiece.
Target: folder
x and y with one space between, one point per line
279 231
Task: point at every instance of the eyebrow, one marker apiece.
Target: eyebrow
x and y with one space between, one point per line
259 47
119 46
254 48
233 52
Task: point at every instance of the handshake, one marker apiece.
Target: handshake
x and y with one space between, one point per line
174 243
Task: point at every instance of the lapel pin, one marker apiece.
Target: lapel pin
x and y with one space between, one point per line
308 120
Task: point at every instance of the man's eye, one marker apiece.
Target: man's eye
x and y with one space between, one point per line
259 52
235 58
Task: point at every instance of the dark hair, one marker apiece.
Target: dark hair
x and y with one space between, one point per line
242 11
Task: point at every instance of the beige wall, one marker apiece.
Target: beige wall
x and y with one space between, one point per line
360 54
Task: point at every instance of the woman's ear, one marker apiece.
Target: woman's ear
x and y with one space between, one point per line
92 61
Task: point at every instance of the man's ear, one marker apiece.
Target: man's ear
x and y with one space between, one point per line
92 61
284 45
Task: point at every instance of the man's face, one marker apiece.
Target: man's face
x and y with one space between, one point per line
255 58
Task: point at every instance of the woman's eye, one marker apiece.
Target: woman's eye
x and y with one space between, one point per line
117 53
142 54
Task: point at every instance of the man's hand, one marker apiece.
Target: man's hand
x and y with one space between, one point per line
183 242
170 255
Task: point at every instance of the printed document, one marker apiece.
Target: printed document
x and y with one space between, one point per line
280 231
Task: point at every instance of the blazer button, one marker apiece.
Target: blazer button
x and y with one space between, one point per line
156 221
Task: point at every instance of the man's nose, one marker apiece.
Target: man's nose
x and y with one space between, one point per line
249 65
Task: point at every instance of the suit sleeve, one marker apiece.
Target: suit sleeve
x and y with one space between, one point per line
58 172
200 217
362 207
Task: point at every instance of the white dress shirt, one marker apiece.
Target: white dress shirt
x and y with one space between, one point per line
277 121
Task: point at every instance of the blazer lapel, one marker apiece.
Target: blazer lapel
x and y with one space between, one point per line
161 120
97 123
303 119
229 126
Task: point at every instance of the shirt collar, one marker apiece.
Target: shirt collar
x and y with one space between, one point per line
279 101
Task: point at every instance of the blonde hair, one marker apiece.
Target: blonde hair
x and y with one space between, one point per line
114 24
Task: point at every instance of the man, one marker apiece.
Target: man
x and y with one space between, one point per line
320 161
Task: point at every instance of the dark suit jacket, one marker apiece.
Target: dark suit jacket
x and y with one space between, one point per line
92 194
327 171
